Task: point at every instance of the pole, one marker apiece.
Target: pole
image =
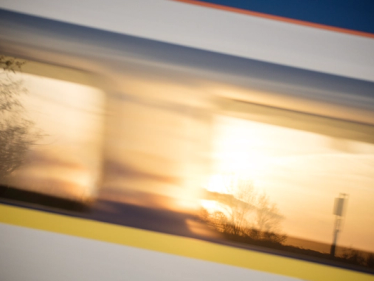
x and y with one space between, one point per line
338 212
335 235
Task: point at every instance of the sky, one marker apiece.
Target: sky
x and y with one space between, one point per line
303 173
65 160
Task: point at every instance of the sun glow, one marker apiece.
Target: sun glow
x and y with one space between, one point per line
216 183
239 149
238 155
212 206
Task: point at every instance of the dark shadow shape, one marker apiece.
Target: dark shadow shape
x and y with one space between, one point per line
14 195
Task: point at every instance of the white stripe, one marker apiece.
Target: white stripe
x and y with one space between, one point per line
216 30
29 254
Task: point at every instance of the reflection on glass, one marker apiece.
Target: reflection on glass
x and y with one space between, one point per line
64 159
159 154
291 176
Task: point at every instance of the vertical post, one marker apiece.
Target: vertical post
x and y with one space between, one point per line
338 212
335 235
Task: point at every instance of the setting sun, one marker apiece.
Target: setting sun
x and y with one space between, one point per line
237 151
216 184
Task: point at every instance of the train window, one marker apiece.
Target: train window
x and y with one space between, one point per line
51 132
163 149
292 181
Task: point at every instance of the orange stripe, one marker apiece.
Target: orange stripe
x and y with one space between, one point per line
278 18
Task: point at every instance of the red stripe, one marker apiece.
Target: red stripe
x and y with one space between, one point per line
278 18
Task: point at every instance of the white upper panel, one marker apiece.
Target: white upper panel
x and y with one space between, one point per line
216 30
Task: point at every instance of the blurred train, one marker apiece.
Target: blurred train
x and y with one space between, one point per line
132 158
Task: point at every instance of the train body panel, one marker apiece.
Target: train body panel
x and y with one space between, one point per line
140 147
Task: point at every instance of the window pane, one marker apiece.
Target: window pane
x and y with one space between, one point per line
61 130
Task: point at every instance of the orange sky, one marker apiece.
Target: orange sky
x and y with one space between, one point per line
303 172
69 116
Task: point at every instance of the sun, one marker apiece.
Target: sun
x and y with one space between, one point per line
216 183
239 148
239 153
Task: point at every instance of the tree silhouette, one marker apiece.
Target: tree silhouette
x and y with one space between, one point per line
268 220
16 132
356 257
245 212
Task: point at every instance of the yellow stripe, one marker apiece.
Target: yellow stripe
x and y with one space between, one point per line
171 244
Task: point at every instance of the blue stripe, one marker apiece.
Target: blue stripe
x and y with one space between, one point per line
357 15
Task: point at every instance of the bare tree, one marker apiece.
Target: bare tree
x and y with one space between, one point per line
241 206
268 220
355 256
245 212
16 132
